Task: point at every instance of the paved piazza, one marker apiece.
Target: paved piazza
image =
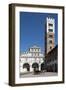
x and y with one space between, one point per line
42 74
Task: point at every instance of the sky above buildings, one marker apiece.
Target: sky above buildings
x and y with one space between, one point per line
32 29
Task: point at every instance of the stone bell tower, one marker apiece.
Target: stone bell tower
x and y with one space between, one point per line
49 34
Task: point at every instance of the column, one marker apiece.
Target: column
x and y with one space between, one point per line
31 69
39 67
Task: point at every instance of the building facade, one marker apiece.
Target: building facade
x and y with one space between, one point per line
31 60
51 60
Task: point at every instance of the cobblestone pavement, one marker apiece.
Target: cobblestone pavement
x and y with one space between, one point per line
42 74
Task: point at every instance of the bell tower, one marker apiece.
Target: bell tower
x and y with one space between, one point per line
49 34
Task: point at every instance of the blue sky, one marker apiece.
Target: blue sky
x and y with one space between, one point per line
32 29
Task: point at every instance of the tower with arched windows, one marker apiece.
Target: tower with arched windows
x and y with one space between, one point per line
49 34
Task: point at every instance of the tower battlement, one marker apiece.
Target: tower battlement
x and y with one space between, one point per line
50 19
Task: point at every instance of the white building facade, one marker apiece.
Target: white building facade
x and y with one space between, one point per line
31 60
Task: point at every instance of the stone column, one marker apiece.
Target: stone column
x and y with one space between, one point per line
39 67
31 69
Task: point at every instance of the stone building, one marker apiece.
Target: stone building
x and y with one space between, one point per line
51 60
31 60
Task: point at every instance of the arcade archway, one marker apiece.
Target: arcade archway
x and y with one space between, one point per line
35 66
27 66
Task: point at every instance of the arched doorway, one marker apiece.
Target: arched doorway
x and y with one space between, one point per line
27 66
35 66
42 66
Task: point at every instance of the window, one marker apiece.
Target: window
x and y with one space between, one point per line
50 47
50 30
50 36
50 41
50 24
